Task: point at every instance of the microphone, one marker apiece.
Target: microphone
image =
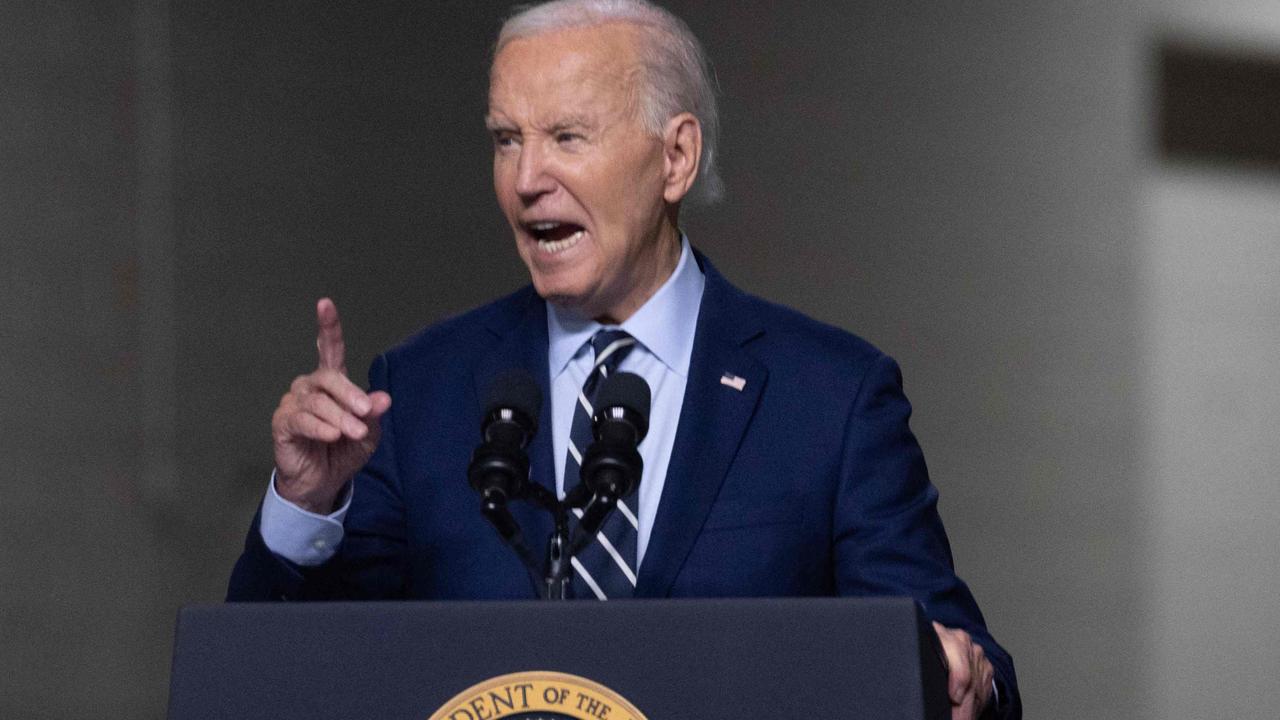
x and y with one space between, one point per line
622 409
499 466
612 466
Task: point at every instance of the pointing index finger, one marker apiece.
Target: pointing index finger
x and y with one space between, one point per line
329 344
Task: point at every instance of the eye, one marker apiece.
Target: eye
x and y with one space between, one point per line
565 137
504 139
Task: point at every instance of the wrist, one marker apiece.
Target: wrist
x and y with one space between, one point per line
312 501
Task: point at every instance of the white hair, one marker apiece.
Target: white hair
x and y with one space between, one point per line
676 72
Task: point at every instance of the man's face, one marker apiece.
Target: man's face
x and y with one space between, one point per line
578 177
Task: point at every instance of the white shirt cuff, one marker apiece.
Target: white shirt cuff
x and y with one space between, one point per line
301 537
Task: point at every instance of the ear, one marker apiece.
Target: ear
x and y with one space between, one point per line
681 153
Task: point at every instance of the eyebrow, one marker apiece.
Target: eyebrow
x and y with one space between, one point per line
572 121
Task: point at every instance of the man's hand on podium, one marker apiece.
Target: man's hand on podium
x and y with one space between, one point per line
325 427
969 673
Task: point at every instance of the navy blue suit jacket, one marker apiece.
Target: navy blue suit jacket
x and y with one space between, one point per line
806 482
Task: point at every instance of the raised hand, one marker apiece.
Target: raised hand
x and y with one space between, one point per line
325 427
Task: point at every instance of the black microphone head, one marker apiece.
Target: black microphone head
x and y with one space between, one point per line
515 388
624 396
516 398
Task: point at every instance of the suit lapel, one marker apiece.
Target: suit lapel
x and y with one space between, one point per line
713 419
521 342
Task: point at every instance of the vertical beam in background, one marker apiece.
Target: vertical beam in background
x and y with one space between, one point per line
157 332
1213 399
1210 259
83 625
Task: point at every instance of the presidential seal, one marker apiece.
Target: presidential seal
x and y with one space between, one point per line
538 696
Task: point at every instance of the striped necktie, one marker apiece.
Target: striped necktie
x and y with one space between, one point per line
606 568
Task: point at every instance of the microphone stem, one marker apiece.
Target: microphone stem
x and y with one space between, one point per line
593 518
496 512
558 567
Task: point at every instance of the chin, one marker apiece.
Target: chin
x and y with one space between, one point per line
567 301
574 299
558 292
569 284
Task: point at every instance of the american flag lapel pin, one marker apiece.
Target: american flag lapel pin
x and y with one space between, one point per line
733 381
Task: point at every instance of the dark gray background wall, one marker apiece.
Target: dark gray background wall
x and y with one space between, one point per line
959 183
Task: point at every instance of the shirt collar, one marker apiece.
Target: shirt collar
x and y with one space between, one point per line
664 325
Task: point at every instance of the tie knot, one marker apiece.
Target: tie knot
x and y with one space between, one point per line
611 346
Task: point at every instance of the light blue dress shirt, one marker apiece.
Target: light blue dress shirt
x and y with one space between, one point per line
663 328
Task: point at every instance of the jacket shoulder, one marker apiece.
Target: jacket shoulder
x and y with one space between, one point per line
806 340
778 331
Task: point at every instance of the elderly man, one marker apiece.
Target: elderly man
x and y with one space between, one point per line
779 462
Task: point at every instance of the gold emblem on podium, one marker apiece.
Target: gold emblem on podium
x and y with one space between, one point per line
538 696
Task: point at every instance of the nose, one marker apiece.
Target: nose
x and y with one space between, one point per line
532 177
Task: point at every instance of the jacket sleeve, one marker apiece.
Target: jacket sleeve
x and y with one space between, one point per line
888 537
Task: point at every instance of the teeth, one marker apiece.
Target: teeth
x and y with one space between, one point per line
544 226
558 246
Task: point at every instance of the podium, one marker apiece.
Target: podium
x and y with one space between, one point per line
617 660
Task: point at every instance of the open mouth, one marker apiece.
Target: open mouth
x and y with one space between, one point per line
554 236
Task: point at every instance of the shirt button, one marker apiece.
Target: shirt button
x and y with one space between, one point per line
319 544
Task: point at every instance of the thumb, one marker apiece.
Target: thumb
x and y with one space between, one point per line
379 404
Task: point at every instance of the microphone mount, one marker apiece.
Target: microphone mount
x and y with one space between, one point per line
611 469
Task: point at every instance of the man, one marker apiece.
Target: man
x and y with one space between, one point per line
779 460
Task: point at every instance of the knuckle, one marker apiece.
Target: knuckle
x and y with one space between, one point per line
300 403
284 412
282 428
